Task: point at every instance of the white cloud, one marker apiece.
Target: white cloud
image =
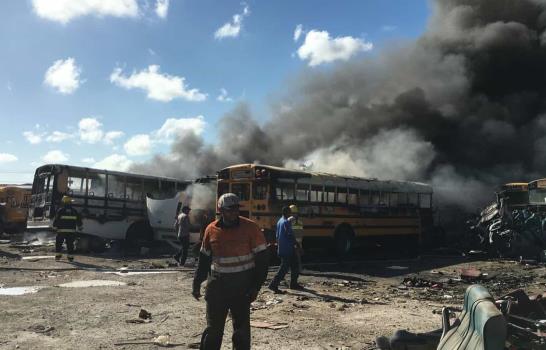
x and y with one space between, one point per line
223 97
232 29
162 8
55 156
89 160
298 32
63 11
58 136
90 130
110 136
64 76
319 48
7 158
116 162
138 145
33 137
160 87
177 127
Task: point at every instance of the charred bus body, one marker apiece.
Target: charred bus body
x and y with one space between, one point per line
112 204
336 211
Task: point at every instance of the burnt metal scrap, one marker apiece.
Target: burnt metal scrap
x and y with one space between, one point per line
525 318
509 233
514 321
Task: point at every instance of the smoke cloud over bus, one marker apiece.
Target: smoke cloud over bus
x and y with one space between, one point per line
462 107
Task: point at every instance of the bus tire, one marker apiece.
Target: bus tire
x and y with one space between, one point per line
343 241
139 234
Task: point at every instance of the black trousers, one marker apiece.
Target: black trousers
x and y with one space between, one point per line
217 310
62 237
287 263
182 255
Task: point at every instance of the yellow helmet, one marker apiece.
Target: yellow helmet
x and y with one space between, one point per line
293 208
66 200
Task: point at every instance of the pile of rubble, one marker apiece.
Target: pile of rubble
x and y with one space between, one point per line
505 233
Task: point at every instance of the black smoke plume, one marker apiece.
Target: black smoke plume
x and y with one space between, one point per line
462 107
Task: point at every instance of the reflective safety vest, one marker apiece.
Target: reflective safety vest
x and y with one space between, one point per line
67 219
233 249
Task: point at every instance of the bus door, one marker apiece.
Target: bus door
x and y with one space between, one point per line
259 206
41 196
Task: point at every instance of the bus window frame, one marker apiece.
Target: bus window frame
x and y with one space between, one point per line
255 185
303 187
345 193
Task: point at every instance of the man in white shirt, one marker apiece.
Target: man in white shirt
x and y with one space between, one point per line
182 227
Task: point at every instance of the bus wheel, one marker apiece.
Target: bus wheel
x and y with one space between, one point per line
138 234
343 242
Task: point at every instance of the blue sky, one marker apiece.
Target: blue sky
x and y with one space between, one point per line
106 83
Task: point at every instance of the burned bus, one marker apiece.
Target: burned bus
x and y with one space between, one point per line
337 211
14 201
112 203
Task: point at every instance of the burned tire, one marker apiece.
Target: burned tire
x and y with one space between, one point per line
343 241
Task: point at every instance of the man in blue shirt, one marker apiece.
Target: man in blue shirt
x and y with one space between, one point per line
286 249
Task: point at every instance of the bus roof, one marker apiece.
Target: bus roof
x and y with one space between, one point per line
104 171
539 183
352 181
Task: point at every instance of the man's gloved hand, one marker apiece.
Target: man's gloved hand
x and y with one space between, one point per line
196 293
253 294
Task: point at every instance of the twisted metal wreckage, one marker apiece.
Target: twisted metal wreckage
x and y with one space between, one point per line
515 224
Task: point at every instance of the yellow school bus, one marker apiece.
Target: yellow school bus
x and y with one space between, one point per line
336 211
14 201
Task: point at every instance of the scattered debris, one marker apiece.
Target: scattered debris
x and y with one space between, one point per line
144 314
162 340
471 274
41 329
268 325
138 320
416 282
37 257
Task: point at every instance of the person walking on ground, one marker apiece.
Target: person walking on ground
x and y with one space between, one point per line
286 249
233 259
297 227
182 228
67 220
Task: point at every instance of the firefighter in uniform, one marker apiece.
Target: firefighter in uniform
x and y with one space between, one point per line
67 220
233 259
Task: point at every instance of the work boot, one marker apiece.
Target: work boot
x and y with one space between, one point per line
275 290
297 287
58 257
70 258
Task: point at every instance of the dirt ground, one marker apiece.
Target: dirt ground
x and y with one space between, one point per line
345 306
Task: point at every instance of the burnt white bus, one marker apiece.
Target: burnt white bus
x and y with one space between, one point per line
112 204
